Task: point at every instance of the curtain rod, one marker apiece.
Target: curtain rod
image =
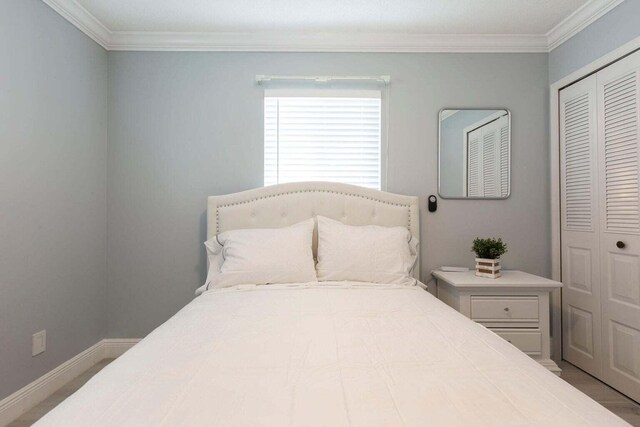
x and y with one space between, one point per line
261 78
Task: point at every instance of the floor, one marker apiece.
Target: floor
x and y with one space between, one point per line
617 403
606 396
52 401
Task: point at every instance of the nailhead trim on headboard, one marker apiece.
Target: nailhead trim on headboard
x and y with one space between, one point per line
312 191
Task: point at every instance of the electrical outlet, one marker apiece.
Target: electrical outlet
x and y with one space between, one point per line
38 343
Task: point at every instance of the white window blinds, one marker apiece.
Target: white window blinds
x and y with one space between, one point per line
332 137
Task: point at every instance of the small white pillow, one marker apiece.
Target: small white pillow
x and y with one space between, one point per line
369 253
261 256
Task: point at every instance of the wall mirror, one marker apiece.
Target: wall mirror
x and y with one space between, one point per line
474 154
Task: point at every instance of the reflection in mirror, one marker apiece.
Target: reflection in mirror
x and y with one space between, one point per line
474 154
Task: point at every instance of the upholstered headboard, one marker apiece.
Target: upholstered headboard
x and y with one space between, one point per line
286 204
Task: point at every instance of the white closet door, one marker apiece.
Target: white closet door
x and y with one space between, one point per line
488 159
474 173
618 152
581 314
503 126
490 167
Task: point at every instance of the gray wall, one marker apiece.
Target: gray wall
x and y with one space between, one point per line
53 88
617 27
183 126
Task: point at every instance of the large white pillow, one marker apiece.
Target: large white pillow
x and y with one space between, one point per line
369 253
261 256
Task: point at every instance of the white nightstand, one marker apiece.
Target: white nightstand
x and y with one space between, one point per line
514 306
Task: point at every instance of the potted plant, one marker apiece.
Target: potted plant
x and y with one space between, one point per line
488 252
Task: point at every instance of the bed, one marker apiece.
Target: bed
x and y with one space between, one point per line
323 354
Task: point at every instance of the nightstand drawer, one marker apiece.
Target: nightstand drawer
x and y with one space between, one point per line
504 308
529 342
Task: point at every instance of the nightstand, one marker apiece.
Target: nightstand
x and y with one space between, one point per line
515 306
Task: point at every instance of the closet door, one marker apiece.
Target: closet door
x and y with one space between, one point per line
618 152
474 173
490 159
581 317
503 155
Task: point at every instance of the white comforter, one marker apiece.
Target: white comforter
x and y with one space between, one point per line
325 355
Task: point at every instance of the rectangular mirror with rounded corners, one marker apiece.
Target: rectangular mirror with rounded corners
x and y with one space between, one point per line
474 153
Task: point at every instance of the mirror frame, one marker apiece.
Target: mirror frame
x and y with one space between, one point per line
440 152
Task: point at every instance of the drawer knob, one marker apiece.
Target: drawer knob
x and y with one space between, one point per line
620 244
506 309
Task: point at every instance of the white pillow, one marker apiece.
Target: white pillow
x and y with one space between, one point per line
369 253
261 256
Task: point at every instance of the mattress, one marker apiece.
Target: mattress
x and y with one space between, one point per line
325 355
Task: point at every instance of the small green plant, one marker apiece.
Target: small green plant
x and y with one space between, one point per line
489 248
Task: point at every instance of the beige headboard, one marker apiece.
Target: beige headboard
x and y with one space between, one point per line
286 204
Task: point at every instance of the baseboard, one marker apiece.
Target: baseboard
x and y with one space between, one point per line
550 365
115 347
30 395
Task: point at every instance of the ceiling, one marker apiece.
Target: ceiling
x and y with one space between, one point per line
413 16
332 25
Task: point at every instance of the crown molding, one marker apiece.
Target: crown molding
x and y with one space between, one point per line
325 42
328 42
579 20
73 12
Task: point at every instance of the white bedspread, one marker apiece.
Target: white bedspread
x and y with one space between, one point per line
325 355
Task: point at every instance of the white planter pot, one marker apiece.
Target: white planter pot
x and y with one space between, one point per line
488 268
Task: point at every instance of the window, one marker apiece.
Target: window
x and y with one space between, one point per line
323 136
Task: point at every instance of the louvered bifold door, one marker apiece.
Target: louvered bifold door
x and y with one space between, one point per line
618 152
504 155
474 164
490 159
581 335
